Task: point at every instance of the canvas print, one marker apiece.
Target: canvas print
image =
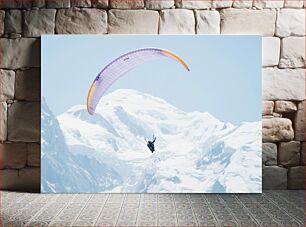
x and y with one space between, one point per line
151 114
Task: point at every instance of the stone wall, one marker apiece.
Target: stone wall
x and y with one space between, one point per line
280 22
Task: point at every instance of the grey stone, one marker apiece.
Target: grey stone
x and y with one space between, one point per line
277 129
208 22
15 4
20 53
262 4
2 15
303 158
33 158
159 4
24 122
269 154
3 121
283 84
242 4
55 4
99 3
222 3
289 153
177 21
192 4
81 21
139 22
274 177
38 22
13 21
267 108
270 51
299 122
248 21
126 4
7 81
38 3
27 85
296 177
285 106
14 155
80 3
290 22
293 52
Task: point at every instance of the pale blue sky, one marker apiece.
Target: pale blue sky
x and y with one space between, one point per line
225 76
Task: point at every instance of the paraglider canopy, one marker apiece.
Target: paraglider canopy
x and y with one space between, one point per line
120 66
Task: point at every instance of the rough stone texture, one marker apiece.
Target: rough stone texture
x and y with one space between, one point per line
293 52
283 84
13 21
296 177
56 4
133 22
20 53
33 154
2 15
285 106
7 80
15 4
24 122
126 4
242 4
26 179
267 108
293 4
290 22
270 51
299 122
274 177
303 160
277 129
81 21
27 85
248 21
159 4
269 154
80 3
99 3
13 155
289 153
3 121
38 3
261 4
192 4
177 21
221 3
208 22
39 22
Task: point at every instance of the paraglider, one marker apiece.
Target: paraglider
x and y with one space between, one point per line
150 144
120 66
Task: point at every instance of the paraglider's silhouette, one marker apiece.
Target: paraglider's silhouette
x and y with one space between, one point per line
150 144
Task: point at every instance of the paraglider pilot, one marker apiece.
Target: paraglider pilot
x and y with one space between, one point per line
150 144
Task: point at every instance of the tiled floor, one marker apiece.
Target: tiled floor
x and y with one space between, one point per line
271 208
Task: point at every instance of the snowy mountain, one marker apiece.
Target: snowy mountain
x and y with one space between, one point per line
195 152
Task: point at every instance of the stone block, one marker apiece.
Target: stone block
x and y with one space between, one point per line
293 52
208 22
13 155
248 21
139 22
269 154
25 180
126 4
27 85
20 53
277 129
283 84
303 157
242 4
267 108
299 122
289 153
7 81
270 51
15 4
81 21
80 3
3 121
38 22
290 22
177 21
296 178
38 3
293 4
33 158
13 21
99 3
285 106
192 4
159 4
262 4
274 177
24 122
221 3
2 15
56 4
